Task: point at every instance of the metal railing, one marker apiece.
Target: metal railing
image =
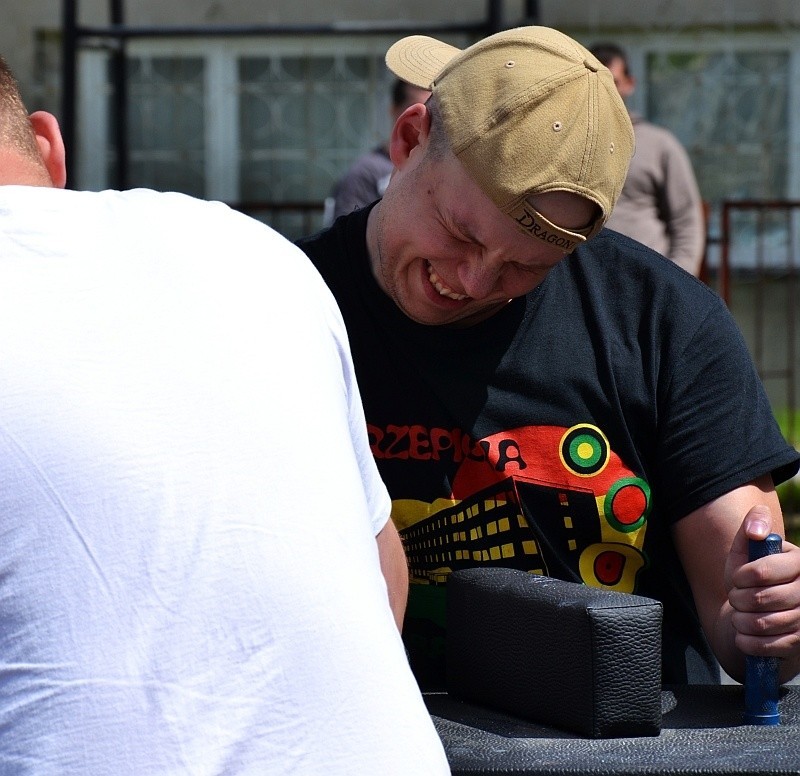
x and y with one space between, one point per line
758 280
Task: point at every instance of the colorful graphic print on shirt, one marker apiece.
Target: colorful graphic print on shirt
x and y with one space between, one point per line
544 499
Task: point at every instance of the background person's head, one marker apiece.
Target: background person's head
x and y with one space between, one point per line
616 60
403 95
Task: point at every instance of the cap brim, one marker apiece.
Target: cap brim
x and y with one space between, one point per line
418 59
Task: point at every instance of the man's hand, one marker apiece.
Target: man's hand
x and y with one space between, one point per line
764 594
745 608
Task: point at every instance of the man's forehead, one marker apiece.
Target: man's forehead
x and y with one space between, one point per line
490 228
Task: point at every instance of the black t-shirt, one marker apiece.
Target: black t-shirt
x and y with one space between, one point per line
562 436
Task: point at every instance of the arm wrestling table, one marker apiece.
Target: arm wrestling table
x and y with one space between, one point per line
702 733
548 677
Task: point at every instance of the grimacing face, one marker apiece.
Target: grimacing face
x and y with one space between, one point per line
444 252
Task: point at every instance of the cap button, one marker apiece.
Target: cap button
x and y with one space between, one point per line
589 65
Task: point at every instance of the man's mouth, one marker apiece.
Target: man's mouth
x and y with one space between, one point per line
440 287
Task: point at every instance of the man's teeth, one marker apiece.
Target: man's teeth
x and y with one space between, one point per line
443 289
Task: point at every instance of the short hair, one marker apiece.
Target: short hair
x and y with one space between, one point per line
608 52
438 142
15 127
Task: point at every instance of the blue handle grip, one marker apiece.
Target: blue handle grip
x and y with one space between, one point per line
761 683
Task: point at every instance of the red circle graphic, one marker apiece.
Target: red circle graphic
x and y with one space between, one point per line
629 504
608 566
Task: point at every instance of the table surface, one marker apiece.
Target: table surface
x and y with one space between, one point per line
702 733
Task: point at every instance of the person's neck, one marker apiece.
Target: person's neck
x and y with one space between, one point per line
373 243
17 170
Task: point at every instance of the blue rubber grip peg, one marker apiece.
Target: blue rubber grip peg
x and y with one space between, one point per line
761 684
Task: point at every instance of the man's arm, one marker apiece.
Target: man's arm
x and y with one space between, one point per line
745 608
395 570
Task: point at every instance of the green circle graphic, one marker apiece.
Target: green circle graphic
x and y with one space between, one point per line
608 504
583 461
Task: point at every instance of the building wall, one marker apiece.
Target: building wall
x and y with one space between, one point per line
29 34
670 14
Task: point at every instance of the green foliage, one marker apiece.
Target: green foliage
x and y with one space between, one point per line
789 492
789 424
789 495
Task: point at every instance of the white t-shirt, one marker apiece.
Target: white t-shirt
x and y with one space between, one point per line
189 579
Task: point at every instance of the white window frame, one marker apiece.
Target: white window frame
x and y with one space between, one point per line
638 46
221 55
221 88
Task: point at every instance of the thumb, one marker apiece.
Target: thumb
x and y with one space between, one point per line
757 524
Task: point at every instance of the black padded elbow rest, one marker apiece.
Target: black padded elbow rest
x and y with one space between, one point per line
553 652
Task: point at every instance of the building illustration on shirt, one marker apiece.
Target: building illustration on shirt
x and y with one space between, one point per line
544 499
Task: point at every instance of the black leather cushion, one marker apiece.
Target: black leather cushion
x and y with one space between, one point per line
555 652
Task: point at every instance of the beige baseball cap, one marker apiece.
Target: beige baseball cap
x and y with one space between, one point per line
527 111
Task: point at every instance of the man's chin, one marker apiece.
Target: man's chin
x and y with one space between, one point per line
479 315
469 315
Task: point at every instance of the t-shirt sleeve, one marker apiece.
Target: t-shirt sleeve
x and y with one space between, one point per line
324 255
379 504
716 430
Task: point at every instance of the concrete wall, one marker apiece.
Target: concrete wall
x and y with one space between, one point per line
667 14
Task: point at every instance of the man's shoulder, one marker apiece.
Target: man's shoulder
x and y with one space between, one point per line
178 227
161 206
612 259
367 169
134 214
336 241
321 245
375 161
339 254
651 134
174 204
364 182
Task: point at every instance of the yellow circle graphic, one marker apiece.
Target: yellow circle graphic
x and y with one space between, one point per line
584 450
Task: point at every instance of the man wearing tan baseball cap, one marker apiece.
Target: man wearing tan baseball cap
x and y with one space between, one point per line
563 130
545 394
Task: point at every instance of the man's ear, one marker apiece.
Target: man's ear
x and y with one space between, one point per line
410 131
51 146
